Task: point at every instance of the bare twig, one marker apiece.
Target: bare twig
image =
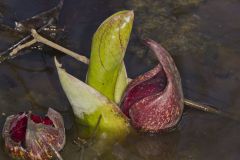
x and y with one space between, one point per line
23 40
46 18
47 42
38 38
20 47
202 107
57 8
209 109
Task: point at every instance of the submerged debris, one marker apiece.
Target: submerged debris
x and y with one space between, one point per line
43 22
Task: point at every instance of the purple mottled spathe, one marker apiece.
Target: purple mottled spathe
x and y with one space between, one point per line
154 101
31 137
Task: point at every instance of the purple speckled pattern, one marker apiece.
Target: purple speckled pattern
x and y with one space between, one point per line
154 101
32 137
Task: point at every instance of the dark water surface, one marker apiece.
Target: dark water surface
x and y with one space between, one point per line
203 38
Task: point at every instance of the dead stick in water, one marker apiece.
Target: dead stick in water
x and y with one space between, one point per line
45 41
20 47
23 40
209 109
38 38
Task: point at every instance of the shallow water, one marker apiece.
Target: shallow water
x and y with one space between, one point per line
203 38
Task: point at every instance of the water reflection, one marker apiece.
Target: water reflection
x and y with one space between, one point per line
203 37
149 147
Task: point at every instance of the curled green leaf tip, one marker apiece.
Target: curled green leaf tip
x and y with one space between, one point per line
108 49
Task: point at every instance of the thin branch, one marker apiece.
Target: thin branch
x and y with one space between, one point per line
202 107
26 38
20 47
47 42
210 109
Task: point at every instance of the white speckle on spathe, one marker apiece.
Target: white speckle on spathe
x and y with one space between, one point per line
127 19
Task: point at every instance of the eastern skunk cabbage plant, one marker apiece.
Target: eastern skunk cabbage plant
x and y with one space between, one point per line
94 103
154 101
31 137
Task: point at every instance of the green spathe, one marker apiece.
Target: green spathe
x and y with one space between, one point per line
88 105
106 72
121 84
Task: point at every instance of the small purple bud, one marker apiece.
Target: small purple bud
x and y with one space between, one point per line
32 137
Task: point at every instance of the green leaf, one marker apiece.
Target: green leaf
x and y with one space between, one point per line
106 71
121 84
88 105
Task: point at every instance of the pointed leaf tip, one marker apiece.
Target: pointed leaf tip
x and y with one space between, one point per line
108 49
83 98
88 104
